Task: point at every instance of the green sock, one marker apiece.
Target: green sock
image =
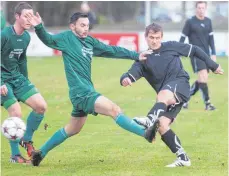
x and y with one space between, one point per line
14 148
33 122
59 137
129 125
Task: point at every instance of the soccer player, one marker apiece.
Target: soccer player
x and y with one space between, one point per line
15 85
78 48
164 72
199 31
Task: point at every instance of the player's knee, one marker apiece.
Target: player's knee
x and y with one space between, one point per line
15 114
115 111
166 97
41 108
164 125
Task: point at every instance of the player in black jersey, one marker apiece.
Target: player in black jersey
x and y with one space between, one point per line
199 31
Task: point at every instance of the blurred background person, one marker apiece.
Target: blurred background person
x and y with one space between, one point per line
91 16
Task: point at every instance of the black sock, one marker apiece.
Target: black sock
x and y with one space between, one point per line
204 88
194 88
157 110
173 142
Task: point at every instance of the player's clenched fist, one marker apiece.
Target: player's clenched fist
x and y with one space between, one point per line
4 90
126 82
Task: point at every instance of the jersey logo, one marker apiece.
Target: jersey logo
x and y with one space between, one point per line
202 24
157 54
87 51
19 40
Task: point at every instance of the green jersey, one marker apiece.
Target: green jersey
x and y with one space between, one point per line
77 55
13 53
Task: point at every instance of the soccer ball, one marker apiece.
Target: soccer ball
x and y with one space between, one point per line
13 128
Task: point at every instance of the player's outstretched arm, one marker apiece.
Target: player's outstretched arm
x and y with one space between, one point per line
134 74
52 41
103 50
200 54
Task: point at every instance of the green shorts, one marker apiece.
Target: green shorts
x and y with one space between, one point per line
19 89
83 103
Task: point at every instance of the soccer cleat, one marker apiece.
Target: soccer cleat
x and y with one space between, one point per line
179 163
19 159
28 145
210 107
151 132
143 121
36 157
185 105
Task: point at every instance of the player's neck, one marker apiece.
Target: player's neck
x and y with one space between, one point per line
200 17
18 29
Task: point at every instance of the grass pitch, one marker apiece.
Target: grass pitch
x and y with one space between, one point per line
104 149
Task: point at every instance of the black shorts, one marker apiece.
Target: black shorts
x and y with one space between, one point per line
198 65
181 90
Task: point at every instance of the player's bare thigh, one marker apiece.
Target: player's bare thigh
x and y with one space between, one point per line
167 97
106 107
37 103
15 110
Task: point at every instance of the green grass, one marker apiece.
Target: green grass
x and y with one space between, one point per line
104 149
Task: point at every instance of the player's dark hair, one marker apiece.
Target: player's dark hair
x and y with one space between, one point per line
21 6
201 2
153 27
76 16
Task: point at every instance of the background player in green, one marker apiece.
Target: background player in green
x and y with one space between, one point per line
77 49
15 85
199 31
3 19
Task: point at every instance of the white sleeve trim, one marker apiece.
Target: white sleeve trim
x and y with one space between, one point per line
211 33
132 77
190 50
183 35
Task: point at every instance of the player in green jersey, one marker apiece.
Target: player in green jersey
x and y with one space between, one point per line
15 85
77 49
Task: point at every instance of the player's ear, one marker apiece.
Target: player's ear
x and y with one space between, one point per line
71 26
17 16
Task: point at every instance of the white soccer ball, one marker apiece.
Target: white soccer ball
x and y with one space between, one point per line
13 128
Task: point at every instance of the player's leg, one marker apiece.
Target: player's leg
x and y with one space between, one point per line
171 139
72 128
106 107
13 108
195 86
26 92
202 81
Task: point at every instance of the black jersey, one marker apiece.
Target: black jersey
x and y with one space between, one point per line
199 33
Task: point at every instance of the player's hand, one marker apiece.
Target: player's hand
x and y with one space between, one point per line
4 90
34 20
219 70
126 82
213 57
142 55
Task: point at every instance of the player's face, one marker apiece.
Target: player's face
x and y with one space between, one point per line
201 9
154 40
22 19
81 27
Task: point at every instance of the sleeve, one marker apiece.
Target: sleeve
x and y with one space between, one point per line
211 40
185 32
189 50
102 50
134 73
200 54
3 40
52 41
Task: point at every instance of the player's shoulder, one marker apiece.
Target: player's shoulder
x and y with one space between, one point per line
207 19
170 43
27 35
